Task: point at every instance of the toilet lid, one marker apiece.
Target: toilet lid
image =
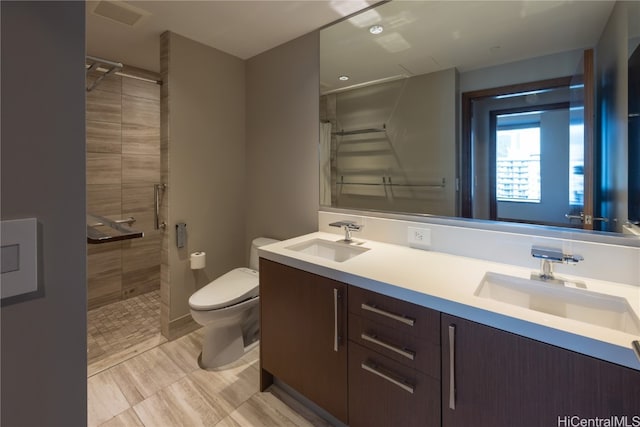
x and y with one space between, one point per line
233 287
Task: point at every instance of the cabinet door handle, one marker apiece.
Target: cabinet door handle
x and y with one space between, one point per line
452 366
409 354
402 383
400 318
335 319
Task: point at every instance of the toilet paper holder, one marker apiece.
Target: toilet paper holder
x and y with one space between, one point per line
197 260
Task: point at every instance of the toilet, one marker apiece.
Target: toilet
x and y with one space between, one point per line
228 309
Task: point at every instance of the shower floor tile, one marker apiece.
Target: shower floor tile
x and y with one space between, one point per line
119 331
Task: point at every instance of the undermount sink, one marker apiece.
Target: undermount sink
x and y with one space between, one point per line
333 251
582 305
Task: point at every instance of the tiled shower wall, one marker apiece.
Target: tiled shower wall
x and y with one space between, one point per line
123 164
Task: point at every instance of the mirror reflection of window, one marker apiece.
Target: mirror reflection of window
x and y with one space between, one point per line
576 165
517 162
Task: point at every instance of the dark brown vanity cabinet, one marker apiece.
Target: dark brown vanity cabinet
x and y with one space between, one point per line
303 334
407 365
394 362
495 378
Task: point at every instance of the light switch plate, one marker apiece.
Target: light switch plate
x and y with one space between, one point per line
19 247
419 237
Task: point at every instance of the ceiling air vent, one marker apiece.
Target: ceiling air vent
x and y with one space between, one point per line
120 12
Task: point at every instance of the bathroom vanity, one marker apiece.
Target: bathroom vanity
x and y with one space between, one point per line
396 336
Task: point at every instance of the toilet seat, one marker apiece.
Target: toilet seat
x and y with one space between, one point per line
231 288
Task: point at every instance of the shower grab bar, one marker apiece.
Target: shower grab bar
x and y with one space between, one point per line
157 188
114 230
358 131
343 132
386 181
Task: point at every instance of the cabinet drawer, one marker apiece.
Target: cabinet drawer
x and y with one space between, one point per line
385 393
398 345
394 313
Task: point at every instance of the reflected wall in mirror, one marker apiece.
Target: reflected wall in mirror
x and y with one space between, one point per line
634 114
395 136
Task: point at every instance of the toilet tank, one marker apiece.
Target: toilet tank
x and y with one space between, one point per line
255 244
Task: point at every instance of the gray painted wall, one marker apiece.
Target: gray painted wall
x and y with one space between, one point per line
282 90
206 184
242 155
44 366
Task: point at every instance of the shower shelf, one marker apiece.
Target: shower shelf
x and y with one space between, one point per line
104 230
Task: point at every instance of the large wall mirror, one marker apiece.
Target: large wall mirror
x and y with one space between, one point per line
519 111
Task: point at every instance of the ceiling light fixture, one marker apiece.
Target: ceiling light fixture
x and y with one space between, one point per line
376 29
343 78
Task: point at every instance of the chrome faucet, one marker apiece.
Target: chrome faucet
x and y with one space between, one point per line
348 226
549 256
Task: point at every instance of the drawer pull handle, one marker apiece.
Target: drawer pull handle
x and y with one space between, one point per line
335 320
397 382
452 366
411 355
406 320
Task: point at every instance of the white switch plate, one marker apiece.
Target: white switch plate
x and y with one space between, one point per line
19 238
419 237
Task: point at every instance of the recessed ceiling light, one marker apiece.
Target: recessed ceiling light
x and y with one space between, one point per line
343 78
376 29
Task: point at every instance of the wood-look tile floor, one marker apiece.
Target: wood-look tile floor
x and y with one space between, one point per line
121 330
164 387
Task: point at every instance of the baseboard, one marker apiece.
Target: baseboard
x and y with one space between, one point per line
181 326
300 403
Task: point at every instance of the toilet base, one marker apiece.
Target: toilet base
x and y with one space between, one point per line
223 346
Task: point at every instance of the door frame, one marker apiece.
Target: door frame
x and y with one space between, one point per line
588 80
468 98
586 76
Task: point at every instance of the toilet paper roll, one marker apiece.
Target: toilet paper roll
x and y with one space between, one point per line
198 260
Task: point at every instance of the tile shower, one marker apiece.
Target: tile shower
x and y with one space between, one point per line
123 164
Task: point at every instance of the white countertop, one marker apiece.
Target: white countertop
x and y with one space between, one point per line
447 283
